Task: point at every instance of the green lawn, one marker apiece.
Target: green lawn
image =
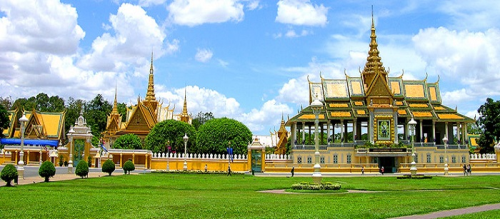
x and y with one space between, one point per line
219 196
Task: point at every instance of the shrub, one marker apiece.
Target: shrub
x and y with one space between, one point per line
128 166
9 173
61 160
47 170
108 167
89 161
82 169
65 163
314 186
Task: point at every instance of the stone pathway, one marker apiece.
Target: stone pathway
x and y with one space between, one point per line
454 212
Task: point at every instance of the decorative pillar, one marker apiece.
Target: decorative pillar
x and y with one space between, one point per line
133 158
121 163
41 155
354 130
28 158
434 131
446 130
342 131
294 134
458 132
421 132
303 132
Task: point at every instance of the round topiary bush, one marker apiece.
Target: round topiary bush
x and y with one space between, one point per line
9 173
108 167
128 166
47 170
82 169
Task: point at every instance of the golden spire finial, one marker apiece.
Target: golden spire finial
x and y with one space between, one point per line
150 94
115 103
184 115
373 64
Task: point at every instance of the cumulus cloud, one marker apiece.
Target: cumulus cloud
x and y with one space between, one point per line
472 15
136 34
293 34
253 4
468 57
147 3
301 12
203 55
268 115
197 12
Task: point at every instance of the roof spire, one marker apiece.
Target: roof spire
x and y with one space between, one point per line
115 103
184 115
373 61
150 94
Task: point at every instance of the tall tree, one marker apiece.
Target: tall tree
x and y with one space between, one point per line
214 136
128 141
171 133
489 122
6 102
4 119
122 109
201 118
96 112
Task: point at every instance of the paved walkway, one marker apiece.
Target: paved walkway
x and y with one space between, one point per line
454 212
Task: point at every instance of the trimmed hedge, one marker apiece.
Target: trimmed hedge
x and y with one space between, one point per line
128 166
315 186
9 173
82 169
47 170
108 167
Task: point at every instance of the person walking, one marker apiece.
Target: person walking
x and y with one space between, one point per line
206 168
293 171
465 169
469 169
363 170
382 170
229 170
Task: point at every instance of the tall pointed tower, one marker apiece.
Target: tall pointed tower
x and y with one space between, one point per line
373 64
150 100
184 114
283 138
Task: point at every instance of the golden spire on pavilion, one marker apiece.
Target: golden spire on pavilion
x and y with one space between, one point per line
373 61
184 114
150 95
115 103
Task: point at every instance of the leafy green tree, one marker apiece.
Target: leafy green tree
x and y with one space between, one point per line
108 167
6 102
214 136
128 141
4 119
73 109
82 169
9 173
96 114
489 121
122 109
128 166
201 118
47 170
171 131
473 128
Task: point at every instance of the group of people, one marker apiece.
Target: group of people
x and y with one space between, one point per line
467 170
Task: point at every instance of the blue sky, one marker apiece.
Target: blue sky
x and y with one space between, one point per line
244 59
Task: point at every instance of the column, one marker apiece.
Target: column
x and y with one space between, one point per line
342 131
327 130
406 130
464 132
133 158
294 134
28 158
309 134
354 130
446 131
303 132
421 131
458 132
121 163
434 131
146 161
322 134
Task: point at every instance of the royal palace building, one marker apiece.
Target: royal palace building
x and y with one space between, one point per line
371 114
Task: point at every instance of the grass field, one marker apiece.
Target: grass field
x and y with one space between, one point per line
218 196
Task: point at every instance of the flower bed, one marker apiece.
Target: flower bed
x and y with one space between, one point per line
315 186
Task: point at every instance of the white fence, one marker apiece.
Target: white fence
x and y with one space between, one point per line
278 157
199 156
483 157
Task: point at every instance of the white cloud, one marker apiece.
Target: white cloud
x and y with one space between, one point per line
197 12
268 115
293 34
253 4
147 3
203 55
454 98
472 15
223 63
136 34
471 58
301 12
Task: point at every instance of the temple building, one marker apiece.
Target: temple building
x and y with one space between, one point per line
142 117
370 113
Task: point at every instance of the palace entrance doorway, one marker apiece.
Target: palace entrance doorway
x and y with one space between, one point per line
389 164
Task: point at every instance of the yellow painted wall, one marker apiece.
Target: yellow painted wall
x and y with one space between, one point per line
199 164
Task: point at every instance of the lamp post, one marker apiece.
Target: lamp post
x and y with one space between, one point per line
168 155
413 168
445 140
186 138
20 167
70 162
316 107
